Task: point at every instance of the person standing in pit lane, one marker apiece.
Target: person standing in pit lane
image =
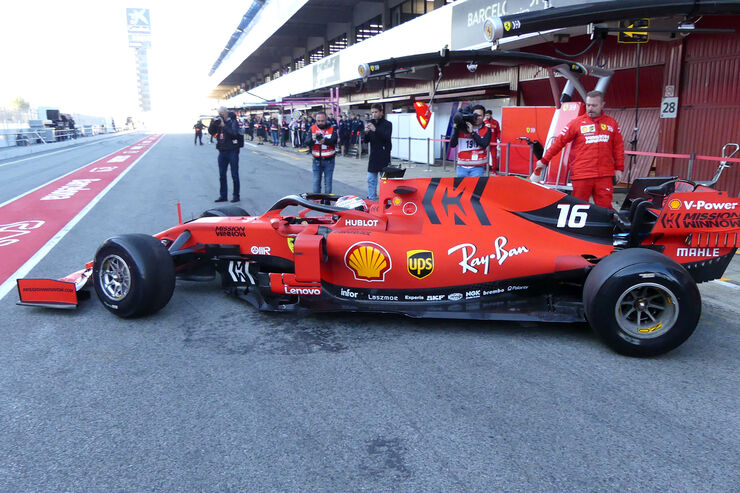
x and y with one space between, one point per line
226 130
599 152
343 130
249 127
472 141
356 128
323 149
495 137
378 132
284 131
198 132
274 131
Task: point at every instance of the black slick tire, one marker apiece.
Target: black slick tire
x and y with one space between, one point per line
133 275
225 211
641 302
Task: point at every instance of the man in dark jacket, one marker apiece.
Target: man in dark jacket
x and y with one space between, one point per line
198 132
378 135
343 134
355 127
226 130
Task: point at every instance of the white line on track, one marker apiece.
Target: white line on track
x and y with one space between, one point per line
43 251
728 284
44 154
253 145
58 178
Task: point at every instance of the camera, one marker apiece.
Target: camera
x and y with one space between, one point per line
464 115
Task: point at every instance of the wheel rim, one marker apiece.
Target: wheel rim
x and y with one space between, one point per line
646 310
115 277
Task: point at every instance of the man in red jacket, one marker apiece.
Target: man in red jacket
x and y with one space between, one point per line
599 152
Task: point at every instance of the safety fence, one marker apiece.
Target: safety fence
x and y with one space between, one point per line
28 137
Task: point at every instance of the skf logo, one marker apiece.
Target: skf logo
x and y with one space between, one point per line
291 244
368 261
507 26
588 128
603 126
674 204
420 263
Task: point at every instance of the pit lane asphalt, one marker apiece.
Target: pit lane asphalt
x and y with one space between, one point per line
211 395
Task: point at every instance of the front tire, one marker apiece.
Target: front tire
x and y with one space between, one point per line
225 211
641 303
133 275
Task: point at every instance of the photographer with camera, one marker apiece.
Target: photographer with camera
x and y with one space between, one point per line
472 138
378 136
323 148
226 130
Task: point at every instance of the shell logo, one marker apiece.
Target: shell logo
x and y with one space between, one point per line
368 261
674 204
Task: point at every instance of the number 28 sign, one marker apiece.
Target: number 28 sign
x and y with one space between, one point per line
669 107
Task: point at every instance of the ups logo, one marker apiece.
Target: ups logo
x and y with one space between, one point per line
420 263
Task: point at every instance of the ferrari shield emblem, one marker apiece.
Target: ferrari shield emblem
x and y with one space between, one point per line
507 25
291 244
420 263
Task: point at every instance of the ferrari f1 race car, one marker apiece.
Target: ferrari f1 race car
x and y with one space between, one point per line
499 248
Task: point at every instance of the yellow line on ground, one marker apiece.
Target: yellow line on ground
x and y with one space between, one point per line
289 155
725 279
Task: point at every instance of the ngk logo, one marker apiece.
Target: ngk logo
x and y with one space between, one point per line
303 291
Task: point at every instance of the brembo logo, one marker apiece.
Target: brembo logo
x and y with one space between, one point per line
303 291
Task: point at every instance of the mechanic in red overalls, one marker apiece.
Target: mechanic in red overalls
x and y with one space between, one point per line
599 152
495 137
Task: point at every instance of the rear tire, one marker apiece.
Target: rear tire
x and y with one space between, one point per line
641 303
133 275
225 211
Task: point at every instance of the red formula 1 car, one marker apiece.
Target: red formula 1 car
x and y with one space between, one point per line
498 248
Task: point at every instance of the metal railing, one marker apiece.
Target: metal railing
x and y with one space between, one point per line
35 136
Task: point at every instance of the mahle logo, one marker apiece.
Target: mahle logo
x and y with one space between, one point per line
420 263
674 204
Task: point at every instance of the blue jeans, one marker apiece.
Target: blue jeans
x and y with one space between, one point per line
224 159
325 166
274 135
470 170
372 185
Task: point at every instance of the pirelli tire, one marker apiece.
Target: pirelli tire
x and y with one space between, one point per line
225 211
133 275
641 303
